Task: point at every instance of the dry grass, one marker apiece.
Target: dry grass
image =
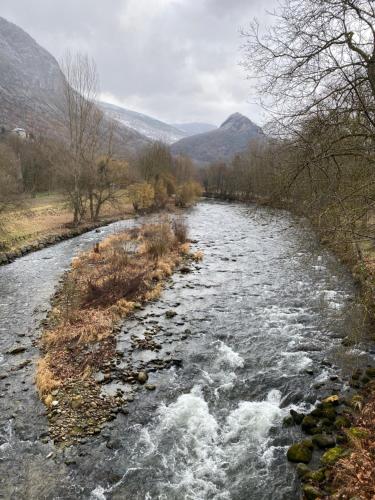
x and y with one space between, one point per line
103 286
353 476
36 218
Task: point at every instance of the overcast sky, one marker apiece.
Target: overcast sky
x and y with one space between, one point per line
177 60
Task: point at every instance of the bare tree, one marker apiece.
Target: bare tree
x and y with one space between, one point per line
83 120
317 55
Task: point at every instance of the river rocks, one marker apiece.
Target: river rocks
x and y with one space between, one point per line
16 349
311 493
142 377
300 453
150 387
297 417
334 400
309 423
323 441
170 314
185 270
331 456
370 372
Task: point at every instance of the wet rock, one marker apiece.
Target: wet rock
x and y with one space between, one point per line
334 399
297 417
323 441
185 270
288 421
302 470
299 453
150 387
170 314
142 377
331 456
114 444
317 476
16 349
311 493
309 422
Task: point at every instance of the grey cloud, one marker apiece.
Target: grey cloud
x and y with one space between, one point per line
174 59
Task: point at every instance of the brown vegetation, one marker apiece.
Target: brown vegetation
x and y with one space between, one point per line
103 286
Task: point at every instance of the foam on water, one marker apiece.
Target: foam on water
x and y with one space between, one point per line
229 357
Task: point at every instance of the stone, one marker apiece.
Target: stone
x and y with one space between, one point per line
308 422
299 453
288 421
16 349
317 476
331 456
323 441
297 417
170 314
185 270
334 399
370 372
142 377
311 493
302 470
150 387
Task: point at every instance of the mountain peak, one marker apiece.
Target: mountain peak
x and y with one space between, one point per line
238 122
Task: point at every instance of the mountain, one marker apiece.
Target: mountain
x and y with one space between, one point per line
190 129
222 144
146 125
31 90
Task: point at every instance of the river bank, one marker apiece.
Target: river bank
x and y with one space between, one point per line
266 312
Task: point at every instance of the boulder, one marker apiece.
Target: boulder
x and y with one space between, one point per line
16 349
370 372
297 417
299 453
170 314
311 492
323 441
309 422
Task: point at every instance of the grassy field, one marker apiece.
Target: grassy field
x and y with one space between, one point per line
33 219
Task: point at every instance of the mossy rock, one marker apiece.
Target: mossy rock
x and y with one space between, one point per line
308 443
299 453
311 493
303 471
370 372
332 455
357 433
309 422
323 441
329 412
318 476
365 379
342 422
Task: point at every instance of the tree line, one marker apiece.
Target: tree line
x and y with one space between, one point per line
85 166
315 68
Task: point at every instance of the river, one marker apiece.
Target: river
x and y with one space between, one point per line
257 332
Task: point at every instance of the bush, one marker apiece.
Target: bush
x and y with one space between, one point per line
142 196
159 240
188 193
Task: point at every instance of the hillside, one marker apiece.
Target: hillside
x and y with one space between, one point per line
146 125
194 128
31 90
221 144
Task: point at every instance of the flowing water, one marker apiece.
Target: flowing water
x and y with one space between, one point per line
257 332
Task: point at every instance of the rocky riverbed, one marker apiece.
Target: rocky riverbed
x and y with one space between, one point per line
254 331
